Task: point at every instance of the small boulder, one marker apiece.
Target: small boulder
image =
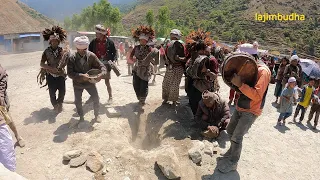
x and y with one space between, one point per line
98 176
208 148
78 161
71 154
113 112
169 165
215 144
95 161
195 155
198 144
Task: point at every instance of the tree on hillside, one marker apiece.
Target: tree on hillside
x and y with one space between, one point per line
164 22
67 23
150 18
99 13
76 21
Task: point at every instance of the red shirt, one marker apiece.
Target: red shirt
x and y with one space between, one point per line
215 65
162 53
101 49
121 47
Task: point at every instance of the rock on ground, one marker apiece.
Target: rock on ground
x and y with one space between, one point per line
199 144
95 161
208 148
98 176
169 165
78 161
215 144
71 154
195 153
113 112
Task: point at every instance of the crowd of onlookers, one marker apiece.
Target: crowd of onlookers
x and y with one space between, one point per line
292 88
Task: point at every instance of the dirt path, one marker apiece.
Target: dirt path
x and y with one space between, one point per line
131 143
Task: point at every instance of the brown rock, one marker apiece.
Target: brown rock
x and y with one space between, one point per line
71 154
169 165
95 161
78 161
98 176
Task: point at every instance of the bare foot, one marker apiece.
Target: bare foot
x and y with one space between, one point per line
21 142
165 101
110 100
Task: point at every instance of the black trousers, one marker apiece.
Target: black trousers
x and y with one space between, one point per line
195 97
78 99
140 87
303 111
56 84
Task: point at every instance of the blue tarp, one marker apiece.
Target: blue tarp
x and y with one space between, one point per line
1 39
29 35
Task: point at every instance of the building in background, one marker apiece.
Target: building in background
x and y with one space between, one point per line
21 42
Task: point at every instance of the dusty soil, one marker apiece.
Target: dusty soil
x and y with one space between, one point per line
131 143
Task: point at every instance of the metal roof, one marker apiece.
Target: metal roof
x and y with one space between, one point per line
29 35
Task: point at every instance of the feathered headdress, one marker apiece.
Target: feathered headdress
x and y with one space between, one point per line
198 38
55 32
143 32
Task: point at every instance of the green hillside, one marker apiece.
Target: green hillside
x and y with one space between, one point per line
234 20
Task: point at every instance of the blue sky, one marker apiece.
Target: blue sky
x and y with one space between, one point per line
59 9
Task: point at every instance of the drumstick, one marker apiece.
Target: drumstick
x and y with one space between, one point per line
242 67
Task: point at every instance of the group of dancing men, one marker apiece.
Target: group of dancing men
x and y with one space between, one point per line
197 62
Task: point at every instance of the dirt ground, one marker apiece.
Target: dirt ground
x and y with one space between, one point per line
131 143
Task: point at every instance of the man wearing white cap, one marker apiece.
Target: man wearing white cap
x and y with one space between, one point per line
105 50
292 70
78 65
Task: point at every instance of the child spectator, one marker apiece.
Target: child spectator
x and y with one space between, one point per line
306 96
315 108
286 101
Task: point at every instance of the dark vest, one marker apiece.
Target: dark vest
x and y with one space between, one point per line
110 49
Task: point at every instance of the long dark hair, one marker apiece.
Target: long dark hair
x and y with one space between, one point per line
287 60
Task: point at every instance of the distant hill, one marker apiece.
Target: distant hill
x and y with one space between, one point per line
19 18
233 20
59 9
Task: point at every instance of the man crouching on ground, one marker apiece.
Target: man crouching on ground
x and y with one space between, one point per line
78 65
213 114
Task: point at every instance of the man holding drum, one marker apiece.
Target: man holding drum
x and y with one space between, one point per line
78 65
249 107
